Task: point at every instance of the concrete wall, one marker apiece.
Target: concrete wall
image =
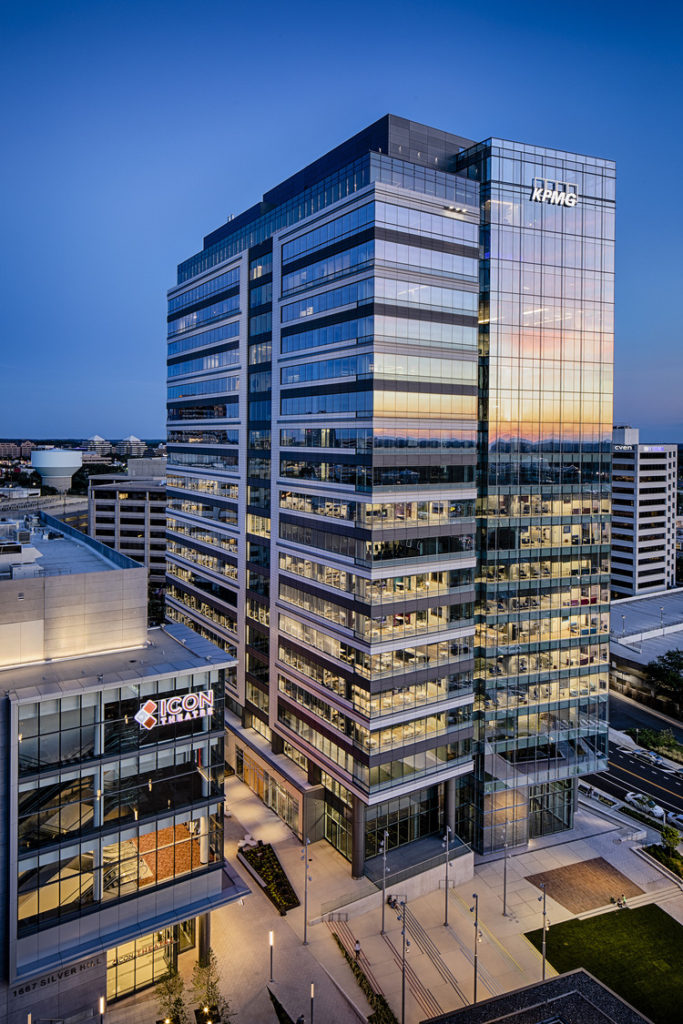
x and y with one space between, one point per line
70 615
68 993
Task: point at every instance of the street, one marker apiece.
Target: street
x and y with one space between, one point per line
628 771
626 714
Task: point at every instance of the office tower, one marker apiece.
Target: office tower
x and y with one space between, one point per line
644 493
389 409
128 513
111 787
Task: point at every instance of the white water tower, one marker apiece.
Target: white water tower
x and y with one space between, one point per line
56 466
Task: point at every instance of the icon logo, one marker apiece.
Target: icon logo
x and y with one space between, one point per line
169 710
557 193
145 715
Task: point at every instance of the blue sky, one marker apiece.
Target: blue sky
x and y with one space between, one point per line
133 129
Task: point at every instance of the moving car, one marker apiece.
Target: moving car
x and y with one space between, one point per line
645 804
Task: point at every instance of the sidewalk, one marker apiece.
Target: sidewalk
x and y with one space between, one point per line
239 934
439 961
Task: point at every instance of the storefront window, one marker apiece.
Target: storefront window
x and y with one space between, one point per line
138 964
268 789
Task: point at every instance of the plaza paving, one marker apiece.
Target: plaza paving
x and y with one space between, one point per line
440 959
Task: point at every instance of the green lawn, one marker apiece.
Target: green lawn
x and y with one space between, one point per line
637 953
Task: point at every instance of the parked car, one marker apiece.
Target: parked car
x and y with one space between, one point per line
645 804
676 820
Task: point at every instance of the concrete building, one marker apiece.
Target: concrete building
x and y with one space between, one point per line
98 445
644 628
132 446
644 490
381 394
11 450
12 493
128 513
111 787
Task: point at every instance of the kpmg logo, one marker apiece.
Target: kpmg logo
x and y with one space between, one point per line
557 193
175 709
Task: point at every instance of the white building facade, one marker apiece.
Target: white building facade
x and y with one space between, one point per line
644 482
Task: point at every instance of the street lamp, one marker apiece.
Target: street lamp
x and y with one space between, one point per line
312 999
477 939
271 942
401 916
383 848
541 885
307 878
446 846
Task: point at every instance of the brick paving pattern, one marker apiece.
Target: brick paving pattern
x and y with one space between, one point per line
585 885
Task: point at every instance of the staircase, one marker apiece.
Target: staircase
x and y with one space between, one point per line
645 898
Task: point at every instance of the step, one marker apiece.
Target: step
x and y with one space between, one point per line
645 898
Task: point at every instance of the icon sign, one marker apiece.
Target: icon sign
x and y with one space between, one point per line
169 710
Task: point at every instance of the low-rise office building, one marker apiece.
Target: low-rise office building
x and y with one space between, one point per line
132 446
128 513
111 789
643 629
644 482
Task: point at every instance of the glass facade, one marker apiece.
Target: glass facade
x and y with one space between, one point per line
545 365
138 964
423 391
109 807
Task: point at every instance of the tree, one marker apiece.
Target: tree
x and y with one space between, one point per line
169 993
670 839
666 673
205 987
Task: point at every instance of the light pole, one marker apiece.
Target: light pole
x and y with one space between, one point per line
307 878
446 845
271 941
383 848
541 886
475 910
661 618
312 999
102 1006
505 869
401 916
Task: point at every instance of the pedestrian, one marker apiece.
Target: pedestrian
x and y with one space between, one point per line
623 902
357 948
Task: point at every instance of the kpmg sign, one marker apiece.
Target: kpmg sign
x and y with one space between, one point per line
169 710
557 193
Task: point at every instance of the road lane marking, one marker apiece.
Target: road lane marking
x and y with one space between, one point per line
641 777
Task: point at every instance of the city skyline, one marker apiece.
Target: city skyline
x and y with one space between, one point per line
113 104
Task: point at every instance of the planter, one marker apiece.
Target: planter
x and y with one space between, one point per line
202 1017
263 862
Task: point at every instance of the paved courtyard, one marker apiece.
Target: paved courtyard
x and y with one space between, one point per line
586 884
440 959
